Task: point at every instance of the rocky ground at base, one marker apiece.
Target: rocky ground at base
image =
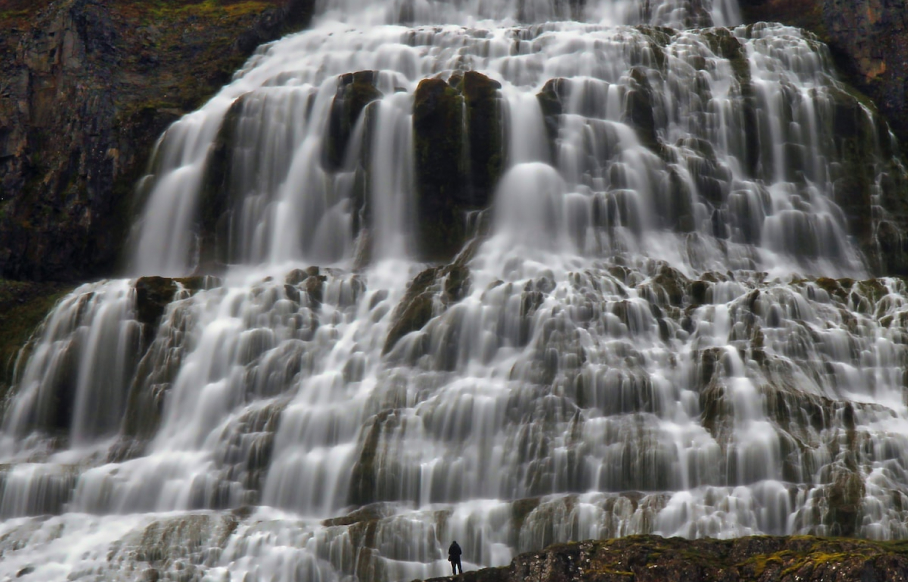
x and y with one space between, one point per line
656 559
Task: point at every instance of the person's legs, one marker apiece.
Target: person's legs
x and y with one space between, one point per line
459 566
454 567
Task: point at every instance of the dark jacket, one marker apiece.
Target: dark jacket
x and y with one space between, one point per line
454 553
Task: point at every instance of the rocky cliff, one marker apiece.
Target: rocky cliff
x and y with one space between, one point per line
85 88
655 559
868 39
90 85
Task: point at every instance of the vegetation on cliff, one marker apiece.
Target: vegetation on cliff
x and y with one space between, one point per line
23 305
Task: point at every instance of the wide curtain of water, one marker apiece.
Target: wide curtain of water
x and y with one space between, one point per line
660 319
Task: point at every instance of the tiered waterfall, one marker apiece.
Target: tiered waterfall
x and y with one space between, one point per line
509 272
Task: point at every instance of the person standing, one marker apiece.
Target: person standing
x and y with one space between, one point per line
454 553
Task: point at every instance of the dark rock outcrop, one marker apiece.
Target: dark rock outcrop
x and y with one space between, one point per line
354 92
23 305
449 283
458 159
86 88
757 559
868 40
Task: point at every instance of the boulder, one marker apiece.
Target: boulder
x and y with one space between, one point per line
458 159
441 178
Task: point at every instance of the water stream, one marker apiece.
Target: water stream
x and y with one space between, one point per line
664 322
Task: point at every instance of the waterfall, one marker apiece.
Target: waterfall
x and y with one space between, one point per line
506 272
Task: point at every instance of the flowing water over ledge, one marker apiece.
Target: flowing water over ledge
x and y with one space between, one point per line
663 323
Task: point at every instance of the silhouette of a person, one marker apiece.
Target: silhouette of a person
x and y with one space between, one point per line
454 553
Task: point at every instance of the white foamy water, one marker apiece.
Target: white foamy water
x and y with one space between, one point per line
641 336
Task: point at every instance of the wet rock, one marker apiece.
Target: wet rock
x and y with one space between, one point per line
867 39
314 287
652 559
438 131
217 193
153 295
87 92
673 284
295 277
354 92
23 306
365 486
551 100
642 108
415 309
451 183
844 496
372 512
486 143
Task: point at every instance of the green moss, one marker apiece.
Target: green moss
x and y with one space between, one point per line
13 14
872 289
23 306
206 8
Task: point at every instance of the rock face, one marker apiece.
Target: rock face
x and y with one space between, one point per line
86 89
458 137
868 39
651 559
22 307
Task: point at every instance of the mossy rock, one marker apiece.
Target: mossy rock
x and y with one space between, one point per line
415 309
153 295
486 140
217 192
673 283
23 306
639 108
364 488
745 559
551 102
438 131
354 92
459 144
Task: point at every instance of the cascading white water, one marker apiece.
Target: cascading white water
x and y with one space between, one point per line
639 339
